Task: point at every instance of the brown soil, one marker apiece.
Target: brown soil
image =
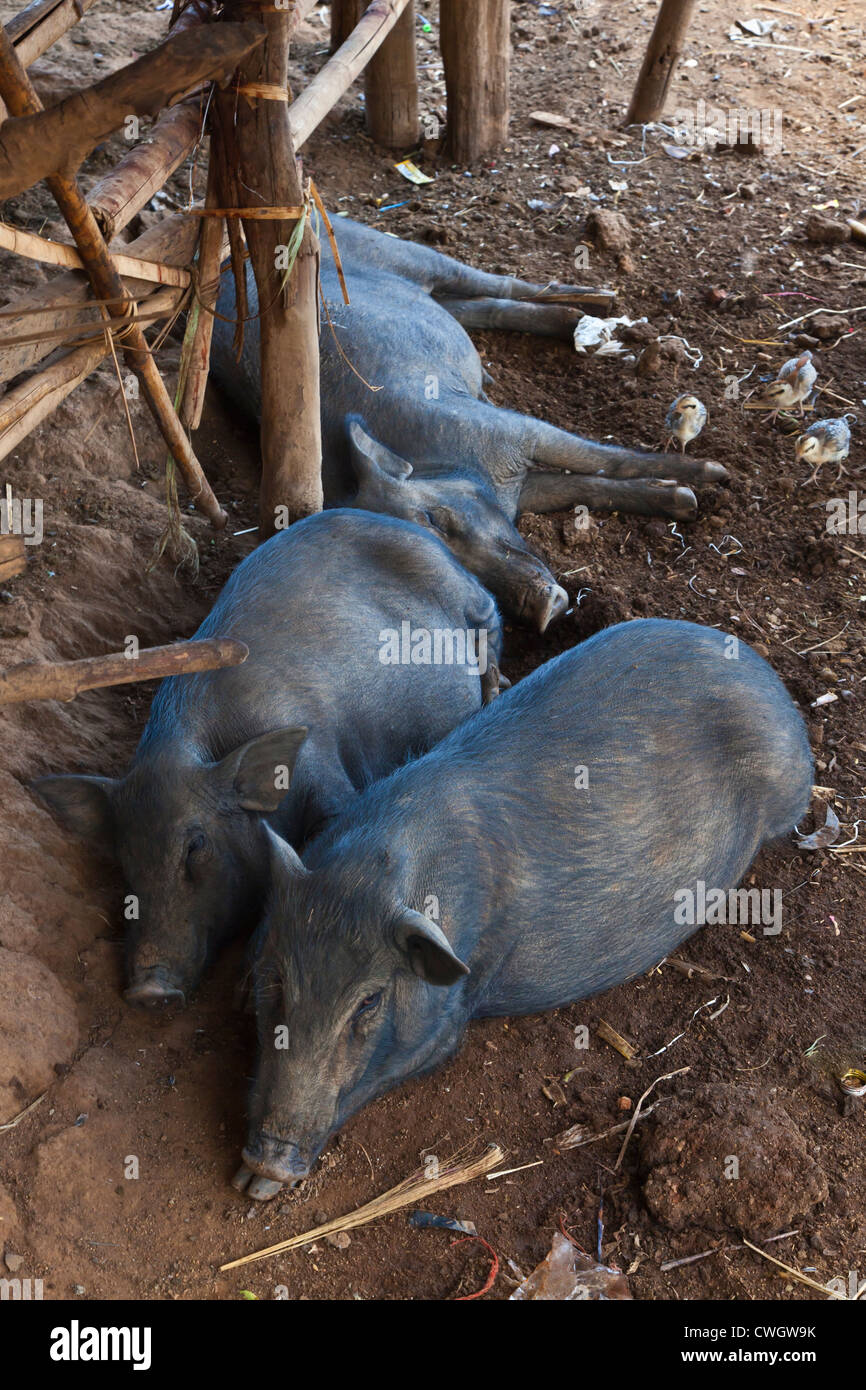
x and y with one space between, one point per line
169 1092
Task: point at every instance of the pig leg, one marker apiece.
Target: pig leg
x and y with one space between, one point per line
444 276
552 448
544 320
554 492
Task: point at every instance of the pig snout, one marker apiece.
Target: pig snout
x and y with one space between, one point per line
154 987
551 602
270 1162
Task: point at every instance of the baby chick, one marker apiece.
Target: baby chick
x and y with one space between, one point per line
792 385
827 441
685 420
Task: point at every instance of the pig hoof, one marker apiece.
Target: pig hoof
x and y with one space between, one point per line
554 602
242 1177
263 1189
714 472
260 1189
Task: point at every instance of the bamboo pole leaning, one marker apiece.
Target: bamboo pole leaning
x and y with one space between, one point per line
63 680
146 168
310 108
197 344
21 99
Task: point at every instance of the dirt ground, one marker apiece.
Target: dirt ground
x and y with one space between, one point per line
760 1041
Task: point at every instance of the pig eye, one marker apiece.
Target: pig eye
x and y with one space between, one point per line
369 1005
195 848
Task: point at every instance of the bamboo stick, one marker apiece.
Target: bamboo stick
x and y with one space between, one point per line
42 143
64 307
662 55
21 99
131 184
202 321
27 405
37 248
63 680
340 71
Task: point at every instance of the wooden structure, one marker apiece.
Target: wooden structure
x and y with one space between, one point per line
663 53
222 72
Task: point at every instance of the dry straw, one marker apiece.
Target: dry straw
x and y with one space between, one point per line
413 1189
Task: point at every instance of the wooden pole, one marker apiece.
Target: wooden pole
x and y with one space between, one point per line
17 91
345 15
34 29
63 680
27 405
268 176
476 51
340 71
391 86
130 185
663 53
42 143
64 309
201 321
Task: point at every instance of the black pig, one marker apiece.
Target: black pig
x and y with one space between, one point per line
541 853
188 820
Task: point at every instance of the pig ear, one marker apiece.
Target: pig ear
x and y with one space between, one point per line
81 804
428 950
369 456
257 770
284 860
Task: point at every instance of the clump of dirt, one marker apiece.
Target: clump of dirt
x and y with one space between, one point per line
726 1157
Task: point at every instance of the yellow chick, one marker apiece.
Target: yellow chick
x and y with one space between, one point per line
685 420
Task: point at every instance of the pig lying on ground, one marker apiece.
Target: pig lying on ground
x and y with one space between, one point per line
435 449
341 686
544 851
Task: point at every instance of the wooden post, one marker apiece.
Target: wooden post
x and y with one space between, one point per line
268 176
17 91
344 18
476 50
391 86
201 320
663 53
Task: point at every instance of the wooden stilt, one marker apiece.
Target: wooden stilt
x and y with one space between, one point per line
344 18
21 99
391 86
663 53
268 175
476 52
208 282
